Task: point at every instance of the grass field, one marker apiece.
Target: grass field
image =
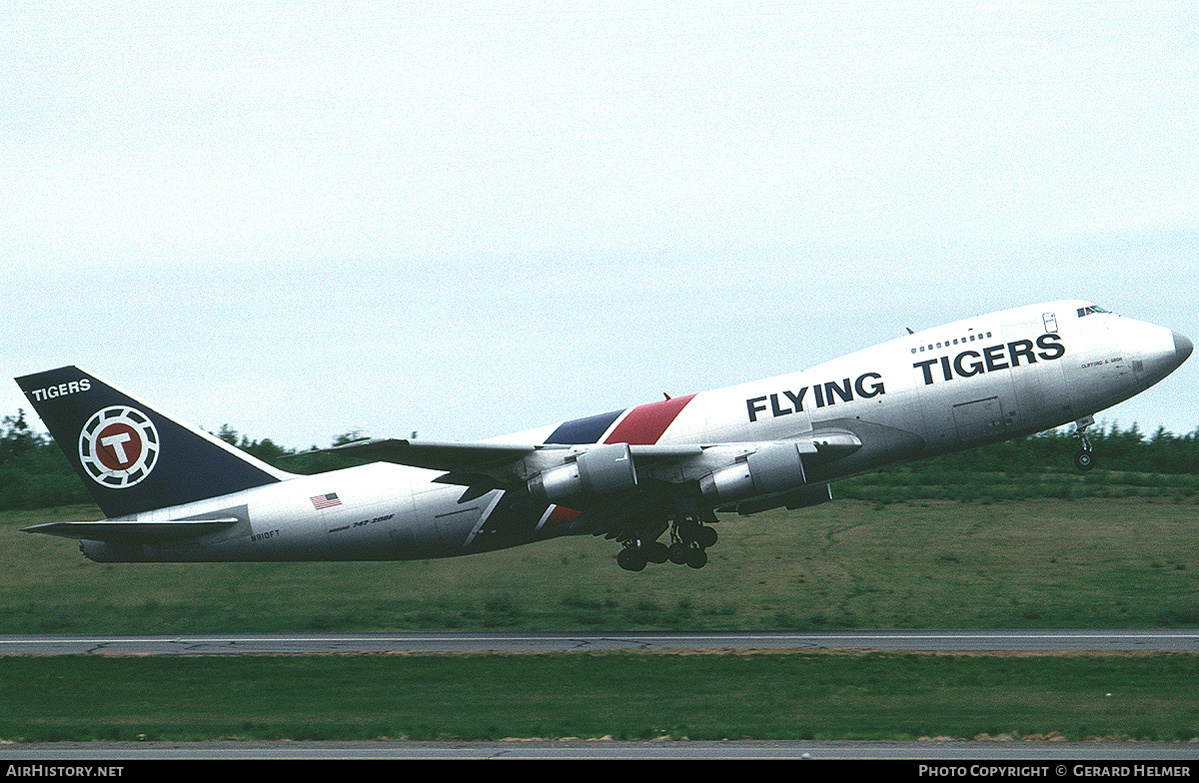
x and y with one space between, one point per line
1092 562
617 695
1106 563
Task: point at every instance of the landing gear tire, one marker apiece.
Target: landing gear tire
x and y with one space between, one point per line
690 539
1083 460
631 559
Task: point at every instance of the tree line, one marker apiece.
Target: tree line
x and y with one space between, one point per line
35 474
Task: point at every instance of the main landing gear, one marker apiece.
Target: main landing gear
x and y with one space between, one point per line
689 541
1084 460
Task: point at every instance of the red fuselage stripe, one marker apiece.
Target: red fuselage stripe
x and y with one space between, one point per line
645 424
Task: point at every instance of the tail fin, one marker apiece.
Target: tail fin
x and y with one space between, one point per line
131 457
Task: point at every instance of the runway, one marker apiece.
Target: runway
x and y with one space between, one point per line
440 643
944 641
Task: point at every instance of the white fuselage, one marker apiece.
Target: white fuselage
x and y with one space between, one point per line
957 386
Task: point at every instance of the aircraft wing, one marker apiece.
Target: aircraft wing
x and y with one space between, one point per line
450 456
453 457
481 467
605 468
438 455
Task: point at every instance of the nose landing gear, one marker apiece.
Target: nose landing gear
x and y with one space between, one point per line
1084 460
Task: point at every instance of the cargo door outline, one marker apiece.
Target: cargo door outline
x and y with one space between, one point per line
980 418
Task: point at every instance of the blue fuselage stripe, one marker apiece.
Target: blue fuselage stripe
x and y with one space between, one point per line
588 430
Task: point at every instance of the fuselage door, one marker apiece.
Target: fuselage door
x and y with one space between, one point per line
980 419
1050 323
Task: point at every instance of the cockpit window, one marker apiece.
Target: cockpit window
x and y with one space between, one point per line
1084 311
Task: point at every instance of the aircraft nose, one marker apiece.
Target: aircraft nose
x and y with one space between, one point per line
1182 348
1159 349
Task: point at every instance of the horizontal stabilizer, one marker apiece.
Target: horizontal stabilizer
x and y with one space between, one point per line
133 532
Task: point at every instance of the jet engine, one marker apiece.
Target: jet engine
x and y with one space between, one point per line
771 469
600 471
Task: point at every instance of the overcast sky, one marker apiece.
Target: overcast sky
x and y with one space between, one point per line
465 219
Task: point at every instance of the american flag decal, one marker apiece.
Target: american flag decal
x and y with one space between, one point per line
325 501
